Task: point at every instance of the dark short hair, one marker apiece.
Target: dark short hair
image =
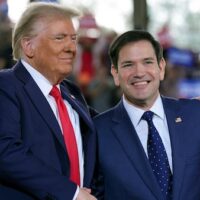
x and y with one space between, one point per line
133 36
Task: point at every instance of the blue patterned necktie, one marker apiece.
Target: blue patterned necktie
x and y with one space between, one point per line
158 157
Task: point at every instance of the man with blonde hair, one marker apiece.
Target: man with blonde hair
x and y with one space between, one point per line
47 140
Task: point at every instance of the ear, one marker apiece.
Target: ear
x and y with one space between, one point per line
162 65
115 75
27 46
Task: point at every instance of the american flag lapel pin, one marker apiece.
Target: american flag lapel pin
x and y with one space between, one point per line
178 119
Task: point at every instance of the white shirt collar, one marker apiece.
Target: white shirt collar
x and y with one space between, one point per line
136 113
44 84
158 109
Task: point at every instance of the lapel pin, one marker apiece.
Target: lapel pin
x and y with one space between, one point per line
72 96
178 119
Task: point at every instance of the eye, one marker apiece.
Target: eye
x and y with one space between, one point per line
126 65
148 62
59 37
74 38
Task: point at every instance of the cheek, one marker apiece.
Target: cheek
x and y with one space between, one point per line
126 76
156 74
123 80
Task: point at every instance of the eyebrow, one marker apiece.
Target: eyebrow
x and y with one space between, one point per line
149 58
126 62
65 34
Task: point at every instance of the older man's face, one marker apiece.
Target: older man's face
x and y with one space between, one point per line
54 49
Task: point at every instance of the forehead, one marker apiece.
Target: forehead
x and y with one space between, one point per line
55 25
142 47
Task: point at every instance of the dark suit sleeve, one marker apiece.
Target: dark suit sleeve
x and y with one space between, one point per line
7 193
19 167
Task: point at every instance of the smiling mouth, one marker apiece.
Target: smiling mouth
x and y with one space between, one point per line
141 83
69 60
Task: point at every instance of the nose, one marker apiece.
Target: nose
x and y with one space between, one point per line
139 70
70 45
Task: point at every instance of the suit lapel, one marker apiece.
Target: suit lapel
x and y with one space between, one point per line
129 141
176 128
39 101
78 106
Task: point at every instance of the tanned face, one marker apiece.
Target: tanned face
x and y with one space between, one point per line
52 51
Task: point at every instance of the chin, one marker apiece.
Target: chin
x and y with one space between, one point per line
66 74
66 69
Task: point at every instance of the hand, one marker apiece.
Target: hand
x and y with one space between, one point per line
84 194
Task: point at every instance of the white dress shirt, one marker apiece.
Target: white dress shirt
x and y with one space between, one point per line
141 125
45 87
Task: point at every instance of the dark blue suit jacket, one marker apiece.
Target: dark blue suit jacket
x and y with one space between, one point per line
124 170
33 157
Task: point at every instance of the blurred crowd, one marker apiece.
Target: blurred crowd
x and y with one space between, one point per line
5 36
92 66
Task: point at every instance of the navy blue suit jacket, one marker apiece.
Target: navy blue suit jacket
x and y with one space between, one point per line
33 157
123 167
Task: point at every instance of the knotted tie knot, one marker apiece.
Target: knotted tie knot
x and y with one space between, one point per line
148 116
55 92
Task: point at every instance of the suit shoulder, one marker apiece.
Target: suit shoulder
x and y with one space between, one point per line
6 74
183 102
189 102
192 105
74 90
104 116
71 86
7 79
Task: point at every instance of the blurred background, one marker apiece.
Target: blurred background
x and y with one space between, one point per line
174 23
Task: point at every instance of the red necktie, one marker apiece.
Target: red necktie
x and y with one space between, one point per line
69 136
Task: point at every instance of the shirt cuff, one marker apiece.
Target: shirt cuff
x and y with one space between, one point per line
76 193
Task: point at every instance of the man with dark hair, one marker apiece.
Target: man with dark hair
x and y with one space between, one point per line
148 145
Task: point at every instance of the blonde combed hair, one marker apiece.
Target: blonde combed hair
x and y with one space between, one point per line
26 26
